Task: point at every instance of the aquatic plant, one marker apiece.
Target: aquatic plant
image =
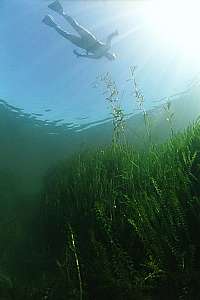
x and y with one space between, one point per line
116 222
134 216
139 96
113 98
170 116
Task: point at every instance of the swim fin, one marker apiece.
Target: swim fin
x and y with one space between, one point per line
56 6
48 20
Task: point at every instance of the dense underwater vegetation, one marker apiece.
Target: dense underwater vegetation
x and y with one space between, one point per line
119 222
125 223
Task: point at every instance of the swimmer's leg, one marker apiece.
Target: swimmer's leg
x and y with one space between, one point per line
48 20
57 7
84 33
76 40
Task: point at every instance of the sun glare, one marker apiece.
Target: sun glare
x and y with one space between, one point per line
175 24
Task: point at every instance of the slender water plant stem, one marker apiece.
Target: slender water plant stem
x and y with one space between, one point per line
170 116
76 261
140 102
117 112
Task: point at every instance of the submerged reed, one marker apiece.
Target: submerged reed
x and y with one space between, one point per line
113 99
135 216
139 96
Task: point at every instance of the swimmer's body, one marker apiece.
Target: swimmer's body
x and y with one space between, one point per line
86 40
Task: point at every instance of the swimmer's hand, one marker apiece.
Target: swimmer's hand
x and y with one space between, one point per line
76 53
86 55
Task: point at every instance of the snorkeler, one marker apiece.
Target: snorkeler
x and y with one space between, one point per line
86 40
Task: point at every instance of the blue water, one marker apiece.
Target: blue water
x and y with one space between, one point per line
40 74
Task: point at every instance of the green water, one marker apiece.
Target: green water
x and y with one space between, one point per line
82 218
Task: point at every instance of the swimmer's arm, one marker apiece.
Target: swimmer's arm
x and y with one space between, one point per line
111 36
85 55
